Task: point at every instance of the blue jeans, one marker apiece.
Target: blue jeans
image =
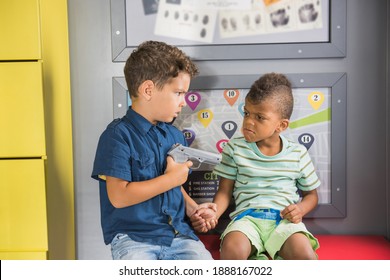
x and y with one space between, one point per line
182 248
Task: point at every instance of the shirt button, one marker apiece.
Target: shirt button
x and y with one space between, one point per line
160 144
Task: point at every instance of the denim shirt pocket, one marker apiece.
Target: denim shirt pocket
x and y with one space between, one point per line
142 166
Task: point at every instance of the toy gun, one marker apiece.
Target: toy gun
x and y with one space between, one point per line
182 154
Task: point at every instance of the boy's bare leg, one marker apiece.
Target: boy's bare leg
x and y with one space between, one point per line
236 246
297 247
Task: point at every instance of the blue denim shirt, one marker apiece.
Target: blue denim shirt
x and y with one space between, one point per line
133 149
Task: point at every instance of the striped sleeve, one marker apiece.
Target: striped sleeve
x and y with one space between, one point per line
227 168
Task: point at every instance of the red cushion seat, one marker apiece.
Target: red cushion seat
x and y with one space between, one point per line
332 247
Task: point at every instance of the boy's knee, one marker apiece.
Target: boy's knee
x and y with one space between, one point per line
297 247
235 246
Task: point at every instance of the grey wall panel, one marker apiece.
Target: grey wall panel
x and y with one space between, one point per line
328 41
388 121
92 70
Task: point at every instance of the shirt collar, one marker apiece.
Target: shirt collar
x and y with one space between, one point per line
256 149
142 124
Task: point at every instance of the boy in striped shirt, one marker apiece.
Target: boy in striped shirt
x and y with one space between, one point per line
265 172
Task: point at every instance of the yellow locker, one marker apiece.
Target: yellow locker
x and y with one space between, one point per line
21 110
23 255
20 29
23 222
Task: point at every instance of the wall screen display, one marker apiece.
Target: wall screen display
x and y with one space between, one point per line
232 29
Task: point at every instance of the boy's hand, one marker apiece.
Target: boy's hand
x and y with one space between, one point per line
205 217
292 213
208 205
198 223
177 171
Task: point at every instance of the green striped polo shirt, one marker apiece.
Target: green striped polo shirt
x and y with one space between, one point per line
266 181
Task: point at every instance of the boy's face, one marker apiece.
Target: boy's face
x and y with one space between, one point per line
169 101
262 121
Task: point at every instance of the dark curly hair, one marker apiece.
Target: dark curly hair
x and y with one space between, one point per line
273 86
158 62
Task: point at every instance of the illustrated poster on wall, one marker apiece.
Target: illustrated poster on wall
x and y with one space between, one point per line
196 20
213 117
189 22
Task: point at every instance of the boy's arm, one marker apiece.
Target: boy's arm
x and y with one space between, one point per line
191 205
223 196
123 193
295 212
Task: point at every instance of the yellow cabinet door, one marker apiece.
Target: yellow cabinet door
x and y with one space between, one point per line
23 255
22 128
19 30
23 222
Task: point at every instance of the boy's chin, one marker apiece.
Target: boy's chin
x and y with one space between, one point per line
247 139
170 120
250 140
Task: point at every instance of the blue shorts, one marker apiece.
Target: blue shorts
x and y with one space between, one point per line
182 248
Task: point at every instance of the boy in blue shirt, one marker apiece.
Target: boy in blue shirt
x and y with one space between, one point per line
143 206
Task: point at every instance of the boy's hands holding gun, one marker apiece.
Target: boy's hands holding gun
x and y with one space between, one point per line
178 171
205 216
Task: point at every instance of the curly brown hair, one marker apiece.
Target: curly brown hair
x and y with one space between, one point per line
158 62
273 86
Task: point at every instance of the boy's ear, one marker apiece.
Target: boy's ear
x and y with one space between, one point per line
145 89
283 125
